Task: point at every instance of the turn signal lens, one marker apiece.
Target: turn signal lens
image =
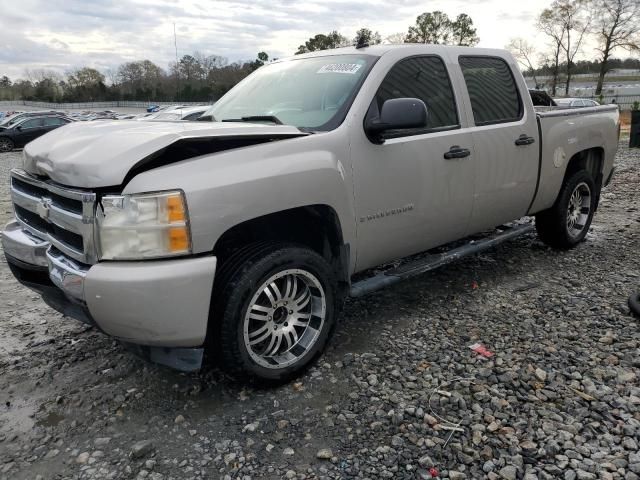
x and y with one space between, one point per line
175 208
178 239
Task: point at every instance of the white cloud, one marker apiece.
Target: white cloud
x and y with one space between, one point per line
63 34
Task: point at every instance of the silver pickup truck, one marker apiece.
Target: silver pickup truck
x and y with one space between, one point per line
244 233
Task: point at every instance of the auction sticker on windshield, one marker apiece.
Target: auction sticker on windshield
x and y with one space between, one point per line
349 68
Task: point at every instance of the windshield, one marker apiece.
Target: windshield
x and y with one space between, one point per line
12 120
309 93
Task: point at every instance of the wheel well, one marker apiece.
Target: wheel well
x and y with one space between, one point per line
591 160
315 226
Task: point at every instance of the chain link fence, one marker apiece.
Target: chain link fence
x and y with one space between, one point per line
625 102
93 105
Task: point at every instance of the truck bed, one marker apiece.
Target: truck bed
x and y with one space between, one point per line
566 131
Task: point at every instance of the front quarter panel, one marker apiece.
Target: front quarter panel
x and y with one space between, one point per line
228 188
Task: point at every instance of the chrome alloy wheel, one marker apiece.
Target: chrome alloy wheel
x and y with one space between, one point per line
284 318
578 210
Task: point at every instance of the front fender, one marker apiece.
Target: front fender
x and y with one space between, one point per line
229 188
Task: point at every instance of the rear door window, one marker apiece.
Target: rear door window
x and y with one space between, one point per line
33 123
52 121
425 78
492 90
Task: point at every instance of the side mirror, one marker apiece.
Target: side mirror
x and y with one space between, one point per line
19 128
398 114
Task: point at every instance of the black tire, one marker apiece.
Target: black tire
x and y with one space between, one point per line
239 280
634 303
6 145
553 224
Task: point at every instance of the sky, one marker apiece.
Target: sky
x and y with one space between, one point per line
65 34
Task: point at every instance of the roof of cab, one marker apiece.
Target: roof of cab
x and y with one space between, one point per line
410 48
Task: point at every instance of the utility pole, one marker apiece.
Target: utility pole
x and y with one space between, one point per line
175 44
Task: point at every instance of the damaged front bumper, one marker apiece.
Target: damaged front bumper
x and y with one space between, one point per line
160 309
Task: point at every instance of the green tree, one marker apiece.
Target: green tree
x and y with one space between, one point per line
142 80
5 82
85 77
463 32
430 27
366 35
323 42
85 84
189 68
263 58
615 26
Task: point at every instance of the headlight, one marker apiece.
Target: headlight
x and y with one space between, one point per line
138 226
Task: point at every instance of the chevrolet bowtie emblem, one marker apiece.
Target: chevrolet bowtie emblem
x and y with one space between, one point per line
43 208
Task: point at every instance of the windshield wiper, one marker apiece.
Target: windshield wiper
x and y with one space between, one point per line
255 118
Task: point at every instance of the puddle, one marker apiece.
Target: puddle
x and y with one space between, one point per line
52 419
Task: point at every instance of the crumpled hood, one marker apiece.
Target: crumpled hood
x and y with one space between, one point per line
101 153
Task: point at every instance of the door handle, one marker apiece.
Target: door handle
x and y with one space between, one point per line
525 140
457 152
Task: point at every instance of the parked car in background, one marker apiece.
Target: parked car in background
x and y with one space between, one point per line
575 102
180 113
20 116
29 128
194 113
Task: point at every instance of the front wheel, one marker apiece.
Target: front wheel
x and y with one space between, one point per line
275 311
567 222
6 145
634 303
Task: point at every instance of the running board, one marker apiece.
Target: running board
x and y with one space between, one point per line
433 261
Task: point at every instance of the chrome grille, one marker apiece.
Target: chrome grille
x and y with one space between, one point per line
63 216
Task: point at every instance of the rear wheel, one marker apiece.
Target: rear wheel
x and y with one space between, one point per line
275 311
567 222
6 145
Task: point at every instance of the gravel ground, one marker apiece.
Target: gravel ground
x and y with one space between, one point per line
560 397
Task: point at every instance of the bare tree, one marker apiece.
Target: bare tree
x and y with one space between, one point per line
573 18
41 74
111 75
524 52
396 38
567 23
552 27
615 26
209 63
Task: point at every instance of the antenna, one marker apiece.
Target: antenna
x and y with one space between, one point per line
175 44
